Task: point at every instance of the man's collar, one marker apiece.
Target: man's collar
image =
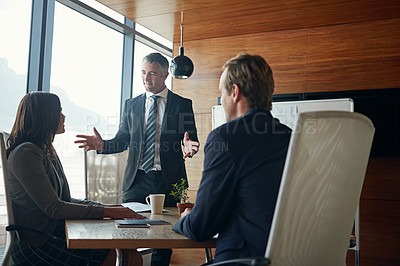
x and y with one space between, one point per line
252 111
163 93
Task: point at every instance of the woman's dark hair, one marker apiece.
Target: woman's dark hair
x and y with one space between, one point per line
37 121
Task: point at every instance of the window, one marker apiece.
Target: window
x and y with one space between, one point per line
14 47
151 34
103 9
86 71
86 75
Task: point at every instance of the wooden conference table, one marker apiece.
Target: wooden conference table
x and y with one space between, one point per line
104 234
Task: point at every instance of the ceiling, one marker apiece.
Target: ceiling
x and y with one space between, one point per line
205 19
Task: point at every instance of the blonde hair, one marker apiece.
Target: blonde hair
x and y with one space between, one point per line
254 77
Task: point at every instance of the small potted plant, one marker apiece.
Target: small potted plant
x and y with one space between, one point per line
179 192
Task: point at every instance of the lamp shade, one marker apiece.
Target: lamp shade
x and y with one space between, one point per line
181 66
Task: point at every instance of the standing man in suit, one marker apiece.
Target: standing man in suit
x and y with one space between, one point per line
243 165
154 127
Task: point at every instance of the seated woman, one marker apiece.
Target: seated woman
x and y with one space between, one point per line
39 190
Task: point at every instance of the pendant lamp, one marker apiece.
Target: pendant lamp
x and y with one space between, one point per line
181 66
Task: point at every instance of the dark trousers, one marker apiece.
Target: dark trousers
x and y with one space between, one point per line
143 185
148 183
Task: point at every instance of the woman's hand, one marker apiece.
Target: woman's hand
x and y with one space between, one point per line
120 212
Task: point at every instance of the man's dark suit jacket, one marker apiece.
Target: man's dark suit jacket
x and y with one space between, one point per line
243 166
178 118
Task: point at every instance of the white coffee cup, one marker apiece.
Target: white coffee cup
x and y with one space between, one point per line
156 201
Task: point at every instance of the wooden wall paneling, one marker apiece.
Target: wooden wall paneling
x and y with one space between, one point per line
188 256
221 18
248 17
284 51
379 232
332 58
350 258
341 57
382 180
243 17
194 165
204 93
354 56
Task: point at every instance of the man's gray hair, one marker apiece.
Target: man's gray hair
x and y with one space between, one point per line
159 59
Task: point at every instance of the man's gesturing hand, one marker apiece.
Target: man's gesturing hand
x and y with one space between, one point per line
190 146
91 142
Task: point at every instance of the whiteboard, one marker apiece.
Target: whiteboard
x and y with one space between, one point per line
287 112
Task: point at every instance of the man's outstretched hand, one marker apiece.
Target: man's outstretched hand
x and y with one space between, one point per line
91 142
190 147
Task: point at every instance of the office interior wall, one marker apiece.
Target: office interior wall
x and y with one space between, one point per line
353 56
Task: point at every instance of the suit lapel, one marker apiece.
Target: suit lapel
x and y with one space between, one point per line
138 110
168 108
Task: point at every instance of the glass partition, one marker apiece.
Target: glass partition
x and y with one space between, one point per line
86 75
15 19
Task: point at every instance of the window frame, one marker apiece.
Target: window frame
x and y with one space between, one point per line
41 40
41 45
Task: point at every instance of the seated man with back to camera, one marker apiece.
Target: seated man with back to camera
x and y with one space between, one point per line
243 165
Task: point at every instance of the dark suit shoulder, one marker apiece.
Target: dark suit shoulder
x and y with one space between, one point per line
177 97
132 104
137 98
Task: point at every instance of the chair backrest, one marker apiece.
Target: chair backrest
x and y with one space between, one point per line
104 174
10 217
320 189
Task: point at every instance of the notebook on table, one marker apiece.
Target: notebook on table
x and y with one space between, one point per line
139 223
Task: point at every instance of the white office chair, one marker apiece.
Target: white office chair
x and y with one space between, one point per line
320 190
7 260
104 175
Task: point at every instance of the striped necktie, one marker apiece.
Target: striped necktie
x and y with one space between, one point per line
150 136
